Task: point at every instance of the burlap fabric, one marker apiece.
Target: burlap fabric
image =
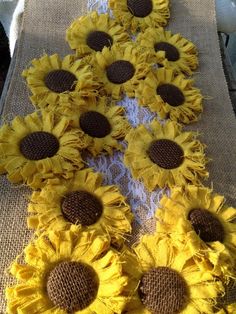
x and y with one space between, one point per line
44 31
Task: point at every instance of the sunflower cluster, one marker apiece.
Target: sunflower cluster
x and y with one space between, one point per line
79 261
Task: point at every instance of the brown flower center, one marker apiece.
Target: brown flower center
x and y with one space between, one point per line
140 8
60 81
166 154
230 294
171 94
163 290
172 53
39 145
120 71
97 40
95 124
72 286
82 207
207 226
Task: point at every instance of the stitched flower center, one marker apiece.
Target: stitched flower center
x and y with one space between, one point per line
207 226
120 71
140 8
97 40
171 94
172 53
60 81
166 154
82 207
163 290
39 145
95 124
72 286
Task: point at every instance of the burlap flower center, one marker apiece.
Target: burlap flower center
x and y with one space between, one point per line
140 8
172 53
166 153
81 207
230 294
171 94
72 286
163 290
120 71
95 124
60 81
206 225
97 40
39 145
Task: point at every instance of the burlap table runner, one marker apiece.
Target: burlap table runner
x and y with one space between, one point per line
44 31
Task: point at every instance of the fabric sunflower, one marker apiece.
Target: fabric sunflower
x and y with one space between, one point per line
67 272
93 32
121 68
82 201
103 124
171 96
227 303
140 14
201 216
164 156
162 279
38 147
54 82
180 52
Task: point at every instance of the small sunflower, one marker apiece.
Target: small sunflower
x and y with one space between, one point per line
82 201
103 125
227 303
93 32
121 68
54 82
201 216
171 96
140 14
165 156
67 272
162 279
38 147
180 53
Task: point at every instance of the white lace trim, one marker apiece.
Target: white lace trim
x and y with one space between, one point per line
112 167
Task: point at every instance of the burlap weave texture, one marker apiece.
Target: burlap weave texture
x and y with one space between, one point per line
44 28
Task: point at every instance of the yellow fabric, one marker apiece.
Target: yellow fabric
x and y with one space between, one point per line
41 256
147 95
158 17
152 175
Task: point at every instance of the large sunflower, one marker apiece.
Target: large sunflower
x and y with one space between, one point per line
181 53
55 82
171 96
67 272
163 279
140 14
93 32
82 201
121 68
201 216
165 156
38 147
103 125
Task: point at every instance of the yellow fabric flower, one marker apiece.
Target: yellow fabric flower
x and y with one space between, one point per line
93 32
82 201
140 14
68 272
164 156
171 96
38 147
54 82
163 279
121 68
180 52
103 124
227 303
199 215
